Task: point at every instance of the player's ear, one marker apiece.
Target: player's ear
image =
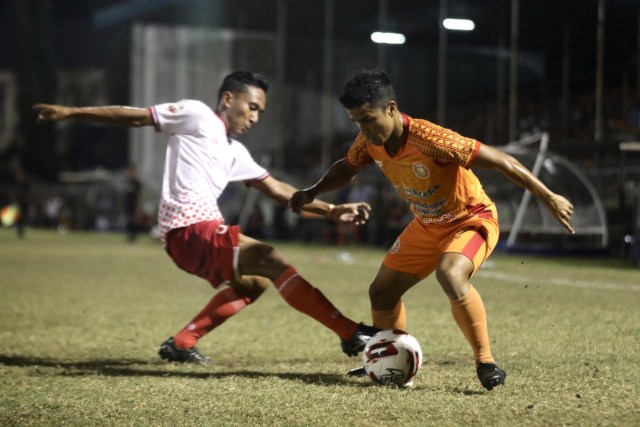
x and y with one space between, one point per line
392 108
226 99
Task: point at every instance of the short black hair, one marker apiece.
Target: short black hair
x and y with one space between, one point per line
372 86
238 81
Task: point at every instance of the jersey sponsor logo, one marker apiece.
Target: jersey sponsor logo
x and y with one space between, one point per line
430 208
412 192
442 219
395 247
420 170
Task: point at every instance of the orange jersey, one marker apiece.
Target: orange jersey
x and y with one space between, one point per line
431 171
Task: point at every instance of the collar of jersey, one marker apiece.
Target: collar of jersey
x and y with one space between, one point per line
226 131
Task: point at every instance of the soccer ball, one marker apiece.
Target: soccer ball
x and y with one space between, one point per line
392 357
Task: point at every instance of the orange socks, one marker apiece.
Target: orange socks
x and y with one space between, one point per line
471 318
395 318
223 305
299 294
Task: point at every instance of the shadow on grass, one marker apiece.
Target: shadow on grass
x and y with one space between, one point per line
468 392
125 368
145 368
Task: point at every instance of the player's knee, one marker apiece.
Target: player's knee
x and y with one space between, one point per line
263 254
453 270
252 287
380 298
265 251
454 279
446 277
263 260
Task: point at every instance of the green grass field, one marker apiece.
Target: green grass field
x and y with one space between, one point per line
82 315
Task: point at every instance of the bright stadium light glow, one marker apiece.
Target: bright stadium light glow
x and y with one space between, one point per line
459 24
388 38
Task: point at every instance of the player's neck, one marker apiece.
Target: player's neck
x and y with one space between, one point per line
396 140
224 120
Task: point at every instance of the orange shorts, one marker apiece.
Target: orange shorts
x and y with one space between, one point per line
419 247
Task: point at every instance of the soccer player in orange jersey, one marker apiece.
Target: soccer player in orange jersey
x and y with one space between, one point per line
455 224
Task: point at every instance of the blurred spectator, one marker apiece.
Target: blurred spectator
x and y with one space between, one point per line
132 189
255 226
21 199
397 216
52 209
630 249
633 120
359 191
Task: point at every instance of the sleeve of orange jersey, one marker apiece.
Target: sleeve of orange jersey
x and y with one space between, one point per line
474 154
358 156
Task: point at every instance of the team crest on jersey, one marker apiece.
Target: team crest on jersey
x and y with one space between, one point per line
420 170
395 247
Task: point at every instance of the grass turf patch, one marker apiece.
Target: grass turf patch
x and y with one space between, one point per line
83 314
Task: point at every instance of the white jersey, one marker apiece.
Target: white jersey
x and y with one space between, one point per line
201 160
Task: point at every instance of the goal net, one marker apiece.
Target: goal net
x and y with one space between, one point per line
525 222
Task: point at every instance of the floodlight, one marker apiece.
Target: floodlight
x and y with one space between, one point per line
388 38
459 24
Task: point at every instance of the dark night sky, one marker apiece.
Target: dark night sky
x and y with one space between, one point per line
541 27
94 34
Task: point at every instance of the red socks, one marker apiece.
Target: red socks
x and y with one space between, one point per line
299 294
296 291
223 305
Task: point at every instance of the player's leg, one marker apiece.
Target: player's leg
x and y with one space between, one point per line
390 284
412 257
225 303
258 258
467 249
385 296
206 249
467 307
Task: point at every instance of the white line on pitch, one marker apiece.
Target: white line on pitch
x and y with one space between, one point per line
558 282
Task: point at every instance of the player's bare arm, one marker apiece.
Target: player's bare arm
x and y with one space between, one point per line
111 115
491 158
348 212
338 175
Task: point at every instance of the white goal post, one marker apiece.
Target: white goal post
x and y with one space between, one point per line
592 222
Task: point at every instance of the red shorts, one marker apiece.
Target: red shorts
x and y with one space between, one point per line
419 247
208 249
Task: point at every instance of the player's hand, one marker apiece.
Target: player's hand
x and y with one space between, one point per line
562 209
299 199
356 213
47 112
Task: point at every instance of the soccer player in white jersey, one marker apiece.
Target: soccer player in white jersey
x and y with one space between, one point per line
201 159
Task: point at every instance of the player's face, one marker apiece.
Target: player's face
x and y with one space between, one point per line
375 123
243 109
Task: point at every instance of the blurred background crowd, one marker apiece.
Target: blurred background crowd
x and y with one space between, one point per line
565 69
